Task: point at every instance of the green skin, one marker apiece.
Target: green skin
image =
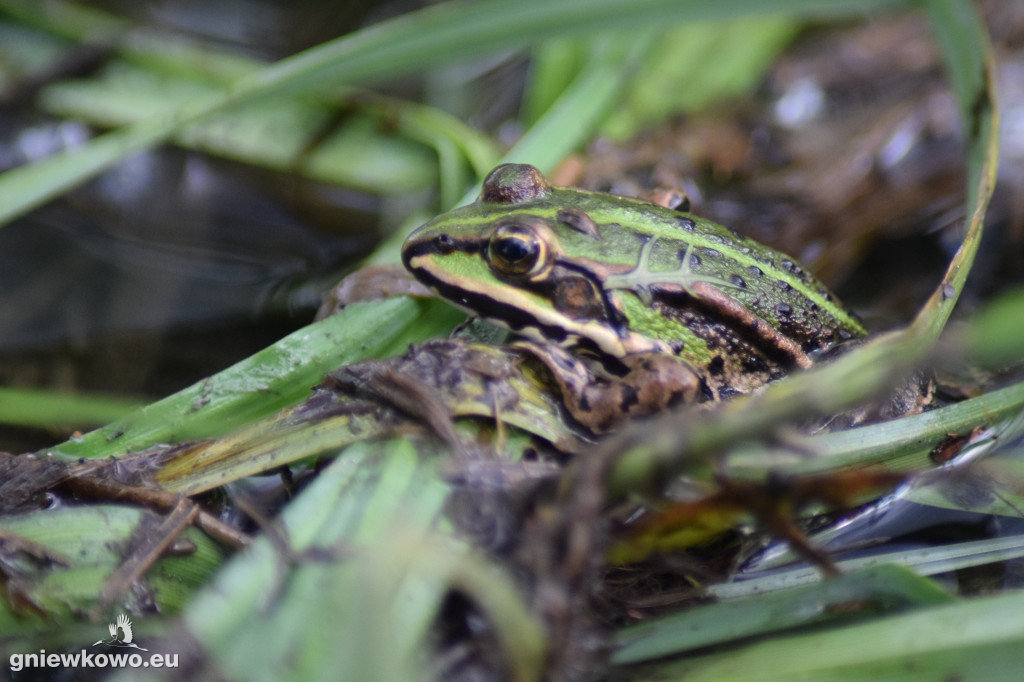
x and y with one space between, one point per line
615 278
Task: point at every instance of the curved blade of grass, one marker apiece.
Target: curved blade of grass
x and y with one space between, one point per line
885 587
984 644
367 575
992 337
743 49
329 615
418 40
923 560
379 145
574 117
277 376
968 55
49 409
332 419
992 486
565 126
904 444
866 371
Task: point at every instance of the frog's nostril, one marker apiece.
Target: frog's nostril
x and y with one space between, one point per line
444 243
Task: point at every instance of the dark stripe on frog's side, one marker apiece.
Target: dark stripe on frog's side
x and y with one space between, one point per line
718 307
731 360
786 308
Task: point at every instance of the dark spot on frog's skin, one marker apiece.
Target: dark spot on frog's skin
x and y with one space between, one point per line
711 253
512 183
785 286
579 221
628 397
558 334
695 261
675 398
686 224
726 392
756 271
787 265
576 297
716 366
784 309
754 364
715 238
738 281
948 292
845 335
813 345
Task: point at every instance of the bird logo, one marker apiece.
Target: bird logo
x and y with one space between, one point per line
120 634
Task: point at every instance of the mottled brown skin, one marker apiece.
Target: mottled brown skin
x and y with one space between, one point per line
600 401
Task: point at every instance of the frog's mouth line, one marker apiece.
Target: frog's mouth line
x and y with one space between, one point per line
517 318
514 318
612 315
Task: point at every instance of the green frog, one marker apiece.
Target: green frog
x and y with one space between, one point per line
632 305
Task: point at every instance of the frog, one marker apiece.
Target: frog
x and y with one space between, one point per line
632 305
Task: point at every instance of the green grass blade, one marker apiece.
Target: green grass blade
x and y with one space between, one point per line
53 409
271 379
978 639
922 560
883 587
429 37
965 46
575 116
867 371
370 572
743 49
904 444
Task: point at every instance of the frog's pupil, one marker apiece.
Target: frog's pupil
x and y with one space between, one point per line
514 249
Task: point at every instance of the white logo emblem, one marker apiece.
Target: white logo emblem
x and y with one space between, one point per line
125 638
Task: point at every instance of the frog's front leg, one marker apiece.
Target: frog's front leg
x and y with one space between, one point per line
600 400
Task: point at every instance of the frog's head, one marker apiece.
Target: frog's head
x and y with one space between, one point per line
527 256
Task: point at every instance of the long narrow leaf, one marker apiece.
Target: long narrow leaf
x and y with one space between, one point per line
269 380
435 35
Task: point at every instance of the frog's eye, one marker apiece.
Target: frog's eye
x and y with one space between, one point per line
518 250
